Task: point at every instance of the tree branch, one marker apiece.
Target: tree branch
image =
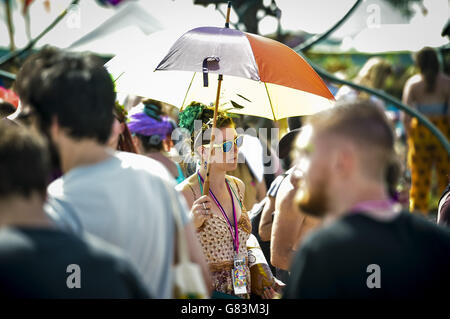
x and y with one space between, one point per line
319 37
30 45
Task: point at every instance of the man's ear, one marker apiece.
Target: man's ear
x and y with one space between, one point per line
345 161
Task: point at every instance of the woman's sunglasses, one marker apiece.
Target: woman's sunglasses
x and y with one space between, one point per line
227 146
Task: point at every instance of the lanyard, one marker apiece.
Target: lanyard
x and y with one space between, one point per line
230 226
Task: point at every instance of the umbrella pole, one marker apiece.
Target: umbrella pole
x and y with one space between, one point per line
211 144
216 107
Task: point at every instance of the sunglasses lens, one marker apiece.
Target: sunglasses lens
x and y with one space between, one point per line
227 146
239 141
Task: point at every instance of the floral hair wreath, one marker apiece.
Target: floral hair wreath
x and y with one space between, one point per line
194 111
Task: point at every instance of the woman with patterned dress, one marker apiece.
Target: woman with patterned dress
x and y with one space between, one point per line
221 220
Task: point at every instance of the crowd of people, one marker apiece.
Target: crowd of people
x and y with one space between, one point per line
92 195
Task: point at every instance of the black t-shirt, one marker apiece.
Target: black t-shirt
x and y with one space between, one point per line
35 263
413 256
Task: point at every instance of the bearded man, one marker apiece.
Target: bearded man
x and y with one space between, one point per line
368 247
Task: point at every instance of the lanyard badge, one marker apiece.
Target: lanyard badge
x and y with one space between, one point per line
239 276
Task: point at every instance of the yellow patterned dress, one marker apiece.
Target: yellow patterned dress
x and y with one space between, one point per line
217 244
424 152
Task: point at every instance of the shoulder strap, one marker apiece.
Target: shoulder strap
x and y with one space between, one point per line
180 171
239 198
200 184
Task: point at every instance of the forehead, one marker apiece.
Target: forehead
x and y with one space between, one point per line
305 137
309 140
227 134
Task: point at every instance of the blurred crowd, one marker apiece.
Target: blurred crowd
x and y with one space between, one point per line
104 198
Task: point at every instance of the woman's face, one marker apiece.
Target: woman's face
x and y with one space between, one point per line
220 159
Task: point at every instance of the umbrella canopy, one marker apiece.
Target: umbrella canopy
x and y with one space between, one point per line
264 77
275 68
133 74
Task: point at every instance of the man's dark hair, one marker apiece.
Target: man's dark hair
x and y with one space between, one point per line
24 162
74 87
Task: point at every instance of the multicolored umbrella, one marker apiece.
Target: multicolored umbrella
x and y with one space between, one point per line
273 74
9 96
264 76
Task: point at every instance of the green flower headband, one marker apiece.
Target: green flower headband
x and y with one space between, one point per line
199 111
191 113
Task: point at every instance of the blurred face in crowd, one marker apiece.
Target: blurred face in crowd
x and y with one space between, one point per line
225 153
313 169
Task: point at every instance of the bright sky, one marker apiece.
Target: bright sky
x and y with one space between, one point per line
374 19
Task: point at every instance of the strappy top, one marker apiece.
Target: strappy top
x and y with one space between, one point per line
180 176
216 240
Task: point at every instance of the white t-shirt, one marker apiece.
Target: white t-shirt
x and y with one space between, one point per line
127 201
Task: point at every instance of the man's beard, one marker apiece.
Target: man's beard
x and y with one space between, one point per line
315 199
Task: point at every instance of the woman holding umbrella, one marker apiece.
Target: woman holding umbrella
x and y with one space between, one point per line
223 226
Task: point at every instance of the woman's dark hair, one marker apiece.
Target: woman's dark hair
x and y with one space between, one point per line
153 109
151 143
125 143
428 63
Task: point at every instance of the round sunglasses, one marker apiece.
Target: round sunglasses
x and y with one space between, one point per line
227 146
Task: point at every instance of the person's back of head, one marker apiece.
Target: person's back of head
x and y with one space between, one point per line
24 163
374 73
152 127
364 125
428 63
74 88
